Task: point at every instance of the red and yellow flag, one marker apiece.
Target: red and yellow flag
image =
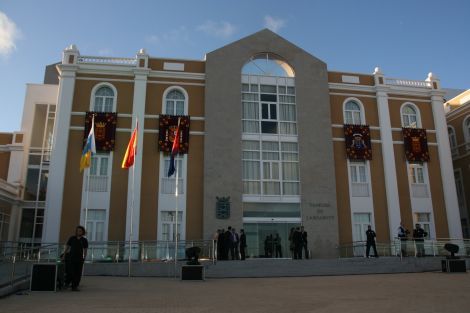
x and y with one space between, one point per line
131 150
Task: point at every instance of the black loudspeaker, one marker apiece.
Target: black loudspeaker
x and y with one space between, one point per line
44 277
192 272
454 266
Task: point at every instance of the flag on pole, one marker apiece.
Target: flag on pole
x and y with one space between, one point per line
131 150
174 150
89 149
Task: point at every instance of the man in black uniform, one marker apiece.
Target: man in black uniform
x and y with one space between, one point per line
242 244
75 255
278 246
419 234
297 238
370 234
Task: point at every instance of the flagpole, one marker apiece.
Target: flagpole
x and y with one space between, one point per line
87 196
132 204
176 216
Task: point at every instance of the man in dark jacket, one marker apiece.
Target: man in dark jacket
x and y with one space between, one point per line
370 234
242 244
304 242
297 238
419 234
75 255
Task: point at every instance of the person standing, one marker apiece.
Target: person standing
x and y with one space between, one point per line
291 242
229 249
278 246
242 244
297 244
370 234
419 234
403 237
235 243
75 255
304 242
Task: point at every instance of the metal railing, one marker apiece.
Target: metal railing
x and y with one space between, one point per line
408 83
410 248
460 150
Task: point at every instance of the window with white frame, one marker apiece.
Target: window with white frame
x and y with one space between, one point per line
359 179
352 113
270 168
167 223
452 140
168 184
99 172
95 226
424 219
466 131
460 190
416 172
409 116
175 102
104 99
268 109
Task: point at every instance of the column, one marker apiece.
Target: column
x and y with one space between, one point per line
391 186
55 183
14 227
138 111
445 159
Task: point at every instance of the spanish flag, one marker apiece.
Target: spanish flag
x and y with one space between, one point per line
174 150
89 149
131 150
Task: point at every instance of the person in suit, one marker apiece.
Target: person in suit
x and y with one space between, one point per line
291 242
242 244
419 234
370 234
304 242
229 248
235 244
403 236
297 238
278 246
75 255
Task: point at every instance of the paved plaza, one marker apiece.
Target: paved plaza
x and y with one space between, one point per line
422 292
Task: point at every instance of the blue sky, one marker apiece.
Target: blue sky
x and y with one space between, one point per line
407 39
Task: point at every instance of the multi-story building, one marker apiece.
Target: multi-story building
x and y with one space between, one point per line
276 140
458 120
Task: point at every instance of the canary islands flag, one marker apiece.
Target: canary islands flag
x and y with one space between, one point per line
174 150
89 149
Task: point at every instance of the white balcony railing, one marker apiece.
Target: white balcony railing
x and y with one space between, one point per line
98 184
419 190
461 150
83 59
408 83
360 189
168 186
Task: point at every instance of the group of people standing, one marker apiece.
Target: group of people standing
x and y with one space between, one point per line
230 244
298 243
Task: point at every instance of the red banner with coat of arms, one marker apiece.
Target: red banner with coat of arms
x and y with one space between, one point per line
105 130
416 144
167 130
357 139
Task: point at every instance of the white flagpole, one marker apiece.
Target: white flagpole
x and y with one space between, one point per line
176 216
132 201
88 171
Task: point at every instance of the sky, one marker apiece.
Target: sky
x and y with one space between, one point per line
405 38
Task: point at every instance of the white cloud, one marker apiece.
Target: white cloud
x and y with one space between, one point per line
175 35
221 29
9 33
274 23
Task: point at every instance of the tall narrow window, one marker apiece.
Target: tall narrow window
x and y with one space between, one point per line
168 185
104 100
466 131
99 173
352 113
95 226
452 141
424 219
409 116
419 188
175 100
358 177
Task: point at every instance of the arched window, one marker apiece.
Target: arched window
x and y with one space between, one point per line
267 64
174 102
104 99
452 140
352 113
409 116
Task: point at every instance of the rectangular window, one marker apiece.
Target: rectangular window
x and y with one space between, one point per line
359 179
269 98
167 222
419 188
168 184
95 226
424 219
361 221
99 171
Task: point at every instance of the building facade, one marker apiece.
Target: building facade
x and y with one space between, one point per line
267 149
458 120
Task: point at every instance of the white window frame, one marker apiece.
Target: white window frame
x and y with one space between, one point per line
183 91
452 140
171 225
363 225
96 88
358 187
430 223
418 188
95 222
466 131
418 115
361 109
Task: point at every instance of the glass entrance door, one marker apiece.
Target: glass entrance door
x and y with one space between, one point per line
268 240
